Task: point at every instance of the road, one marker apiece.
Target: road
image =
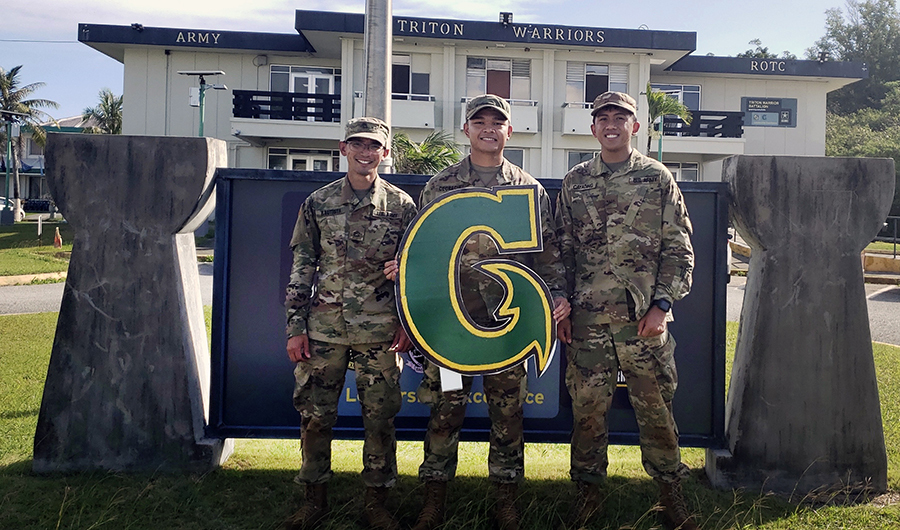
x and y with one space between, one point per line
883 302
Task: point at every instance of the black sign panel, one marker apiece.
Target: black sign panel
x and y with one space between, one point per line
252 379
769 112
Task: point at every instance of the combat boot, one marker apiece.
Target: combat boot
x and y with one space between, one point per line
505 513
314 509
675 514
588 504
377 514
432 514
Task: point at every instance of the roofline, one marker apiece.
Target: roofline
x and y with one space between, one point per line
103 38
479 30
770 67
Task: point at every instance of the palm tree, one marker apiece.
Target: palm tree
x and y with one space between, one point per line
14 98
433 154
107 114
660 104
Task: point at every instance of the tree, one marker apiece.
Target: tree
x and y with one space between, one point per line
869 132
763 52
433 154
15 98
107 114
870 33
660 104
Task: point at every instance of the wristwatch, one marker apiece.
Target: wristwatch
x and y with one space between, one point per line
665 305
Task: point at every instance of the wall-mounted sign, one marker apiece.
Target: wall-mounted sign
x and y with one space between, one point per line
769 112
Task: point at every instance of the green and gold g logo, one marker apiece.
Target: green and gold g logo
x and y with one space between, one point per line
429 294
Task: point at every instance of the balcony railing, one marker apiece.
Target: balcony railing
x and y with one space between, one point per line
296 106
708 123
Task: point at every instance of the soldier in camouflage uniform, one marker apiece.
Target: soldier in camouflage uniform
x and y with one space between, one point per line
341 309
624 234
488 128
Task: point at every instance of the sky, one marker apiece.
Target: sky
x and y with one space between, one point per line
41 35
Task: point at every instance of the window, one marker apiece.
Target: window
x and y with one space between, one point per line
304 80
687 94
507 78
586 81
577 157
33 149
302 159
515 156
407 84
684 171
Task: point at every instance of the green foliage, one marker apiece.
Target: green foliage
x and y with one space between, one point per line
17 98
254 489
107 114
869 32
762 52
433 154
660 104
869 132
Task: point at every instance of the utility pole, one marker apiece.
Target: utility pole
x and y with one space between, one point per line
378 44
202 91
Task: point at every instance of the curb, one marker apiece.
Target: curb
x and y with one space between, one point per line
26 279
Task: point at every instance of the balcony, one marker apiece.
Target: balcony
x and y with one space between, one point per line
577 118
408 111
258 116
713 134
524 115
261 105
706 123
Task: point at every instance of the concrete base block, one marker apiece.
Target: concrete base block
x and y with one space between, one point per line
128 382
803 412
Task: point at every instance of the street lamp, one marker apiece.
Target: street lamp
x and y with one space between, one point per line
9 117
203 88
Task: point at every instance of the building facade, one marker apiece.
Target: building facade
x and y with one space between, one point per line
288 95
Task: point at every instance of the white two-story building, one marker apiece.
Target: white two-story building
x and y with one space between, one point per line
288 95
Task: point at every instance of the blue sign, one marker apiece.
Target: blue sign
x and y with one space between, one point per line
252 378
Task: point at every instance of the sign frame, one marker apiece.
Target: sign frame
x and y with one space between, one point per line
248 322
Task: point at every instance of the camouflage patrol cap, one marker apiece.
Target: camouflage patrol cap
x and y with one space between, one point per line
615 99
487 101
371 128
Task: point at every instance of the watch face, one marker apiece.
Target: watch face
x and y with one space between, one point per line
665 305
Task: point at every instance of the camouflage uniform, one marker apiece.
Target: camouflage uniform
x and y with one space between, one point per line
339 296
504 392
625 241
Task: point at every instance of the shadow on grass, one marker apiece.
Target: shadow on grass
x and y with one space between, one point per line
264 499
12 415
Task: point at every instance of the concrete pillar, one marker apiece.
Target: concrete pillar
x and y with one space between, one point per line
802 412
379 61
129 372
379 31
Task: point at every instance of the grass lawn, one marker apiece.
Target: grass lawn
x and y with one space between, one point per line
882 247
22 252
254 489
